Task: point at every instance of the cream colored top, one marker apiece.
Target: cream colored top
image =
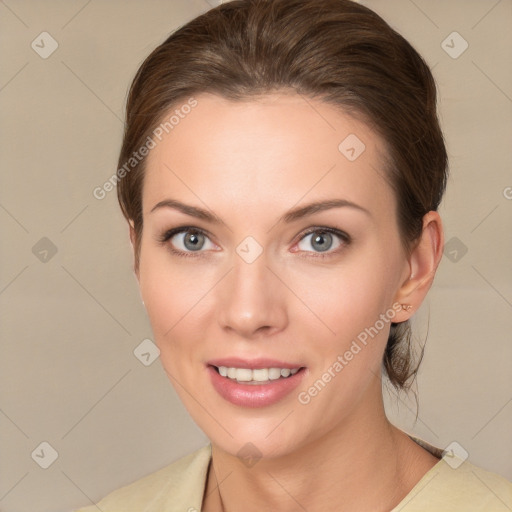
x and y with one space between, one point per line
452 485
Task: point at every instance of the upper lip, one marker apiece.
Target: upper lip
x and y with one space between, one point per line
253 364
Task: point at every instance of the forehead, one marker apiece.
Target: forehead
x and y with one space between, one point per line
265 151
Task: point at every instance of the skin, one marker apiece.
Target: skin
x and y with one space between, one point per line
249 163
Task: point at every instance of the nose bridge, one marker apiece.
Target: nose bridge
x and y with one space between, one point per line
250 297
250 278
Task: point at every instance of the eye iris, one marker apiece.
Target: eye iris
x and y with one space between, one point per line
194 239
320 241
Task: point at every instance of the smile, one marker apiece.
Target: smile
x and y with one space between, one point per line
254 387
256 376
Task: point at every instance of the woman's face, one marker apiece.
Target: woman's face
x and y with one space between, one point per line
259 281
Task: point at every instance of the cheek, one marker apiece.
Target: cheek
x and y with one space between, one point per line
349 296
353 303
349 309
355 310
176 295
165 290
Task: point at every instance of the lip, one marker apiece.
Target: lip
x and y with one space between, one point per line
254 395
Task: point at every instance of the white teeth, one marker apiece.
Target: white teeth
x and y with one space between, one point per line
243 374
257 375
260 375
274 373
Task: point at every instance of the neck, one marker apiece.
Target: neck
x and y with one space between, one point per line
364 463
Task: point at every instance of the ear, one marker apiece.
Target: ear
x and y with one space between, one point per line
423 262
134 245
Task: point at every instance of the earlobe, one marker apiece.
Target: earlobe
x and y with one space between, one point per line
423 262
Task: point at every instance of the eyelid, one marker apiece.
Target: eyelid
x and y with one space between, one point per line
168 234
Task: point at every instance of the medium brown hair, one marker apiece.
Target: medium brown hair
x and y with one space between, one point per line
334 50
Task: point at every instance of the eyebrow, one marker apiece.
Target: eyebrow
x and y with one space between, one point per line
288 217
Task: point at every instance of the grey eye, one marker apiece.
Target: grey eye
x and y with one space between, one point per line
320 241
194 241
189 240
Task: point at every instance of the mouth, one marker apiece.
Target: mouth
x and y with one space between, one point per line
256 376
254 383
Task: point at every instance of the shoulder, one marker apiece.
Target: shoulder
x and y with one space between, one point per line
454 485
179 486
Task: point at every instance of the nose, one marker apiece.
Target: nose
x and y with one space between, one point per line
251 299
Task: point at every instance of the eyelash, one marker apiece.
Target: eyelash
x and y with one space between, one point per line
165 237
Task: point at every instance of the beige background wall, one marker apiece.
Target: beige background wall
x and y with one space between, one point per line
70 321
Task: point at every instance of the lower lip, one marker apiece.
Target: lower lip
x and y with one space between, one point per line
254 395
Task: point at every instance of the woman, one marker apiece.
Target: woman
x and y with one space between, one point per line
281 171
